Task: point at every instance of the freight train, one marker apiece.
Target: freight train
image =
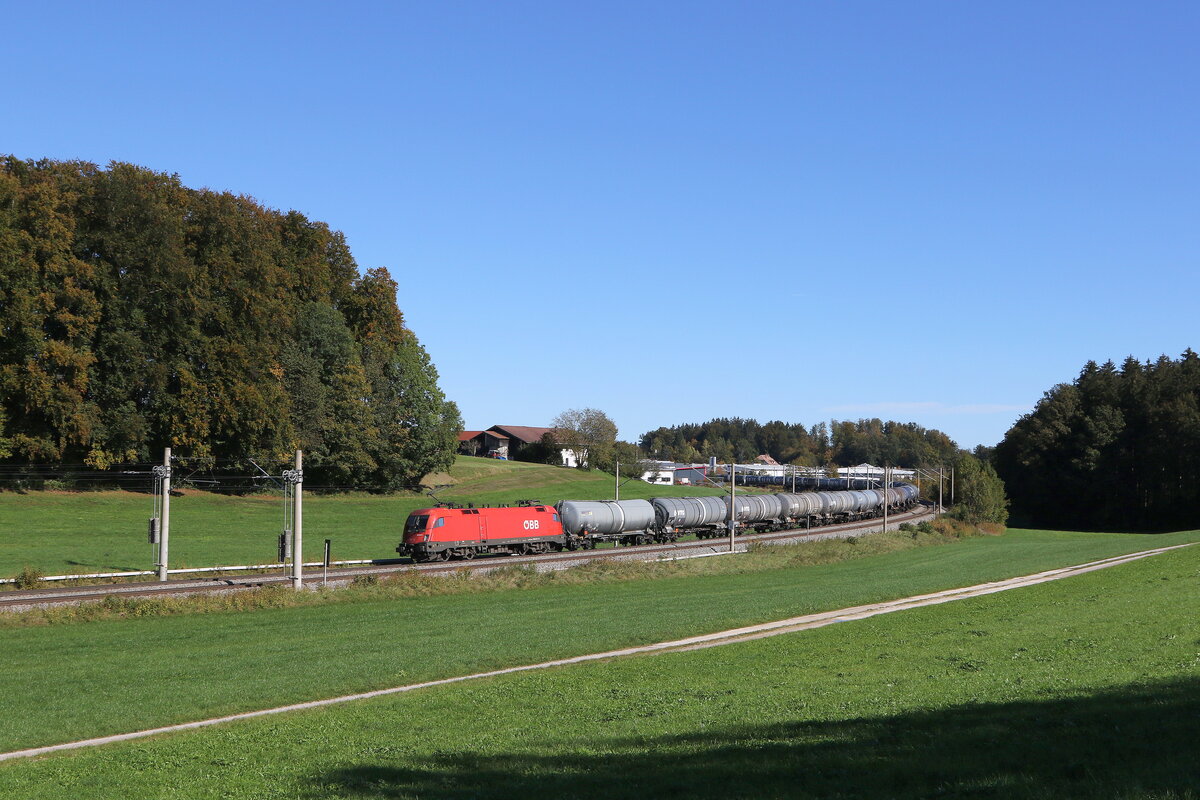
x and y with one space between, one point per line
804 482
443 534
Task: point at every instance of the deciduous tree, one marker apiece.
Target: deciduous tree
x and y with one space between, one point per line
979 491
590 433
138 313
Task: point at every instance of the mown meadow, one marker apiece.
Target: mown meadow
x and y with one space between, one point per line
64 532
1087 687
144 663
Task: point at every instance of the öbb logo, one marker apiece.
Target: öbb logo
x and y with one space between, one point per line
531 524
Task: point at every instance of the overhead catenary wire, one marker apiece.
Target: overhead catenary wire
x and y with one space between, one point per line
214 475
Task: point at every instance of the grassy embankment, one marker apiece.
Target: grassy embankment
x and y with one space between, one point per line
91 678
69 532
1088 687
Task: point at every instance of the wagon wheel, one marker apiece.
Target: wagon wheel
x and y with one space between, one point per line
468 553
443 555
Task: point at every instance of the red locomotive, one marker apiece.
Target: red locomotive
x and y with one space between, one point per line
444 533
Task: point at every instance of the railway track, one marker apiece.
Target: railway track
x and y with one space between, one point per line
21 600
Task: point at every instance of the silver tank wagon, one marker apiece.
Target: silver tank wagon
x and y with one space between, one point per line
605 517
689 512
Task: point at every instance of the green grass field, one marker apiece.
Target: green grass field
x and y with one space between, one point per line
146 671
1088 687
82 532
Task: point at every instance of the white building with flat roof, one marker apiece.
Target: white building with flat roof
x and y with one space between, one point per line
872 472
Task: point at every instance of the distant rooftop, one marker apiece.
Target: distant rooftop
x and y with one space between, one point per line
525 433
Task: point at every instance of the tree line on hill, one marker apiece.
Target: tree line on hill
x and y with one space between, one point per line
138 313
1116 449
837 443
979 493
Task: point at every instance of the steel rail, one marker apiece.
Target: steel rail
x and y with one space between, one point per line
24 599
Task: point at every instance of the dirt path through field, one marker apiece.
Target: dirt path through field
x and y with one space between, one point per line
731 636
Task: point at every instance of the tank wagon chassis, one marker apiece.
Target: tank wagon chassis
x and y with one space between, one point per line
444 534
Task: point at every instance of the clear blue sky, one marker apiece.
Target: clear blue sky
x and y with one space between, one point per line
926 211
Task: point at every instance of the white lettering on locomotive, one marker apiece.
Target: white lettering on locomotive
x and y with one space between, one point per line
531 524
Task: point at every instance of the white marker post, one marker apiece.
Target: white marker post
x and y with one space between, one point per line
297 477
165 526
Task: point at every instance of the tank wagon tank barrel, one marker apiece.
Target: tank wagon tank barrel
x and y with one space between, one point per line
623 521
807 482
688 513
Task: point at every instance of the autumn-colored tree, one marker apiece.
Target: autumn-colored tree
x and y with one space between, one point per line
50 313
139 313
